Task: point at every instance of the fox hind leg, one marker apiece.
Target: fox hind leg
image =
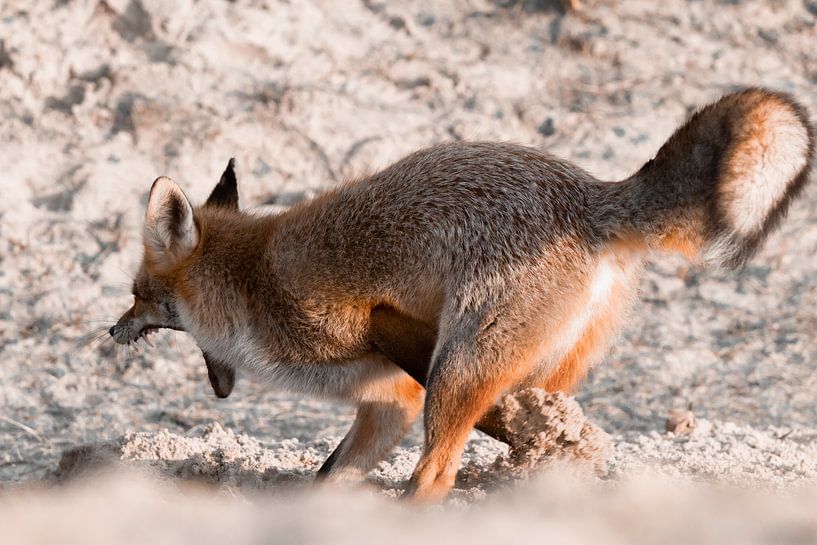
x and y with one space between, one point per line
465 381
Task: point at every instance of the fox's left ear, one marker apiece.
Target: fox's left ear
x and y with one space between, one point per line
225 193
170 230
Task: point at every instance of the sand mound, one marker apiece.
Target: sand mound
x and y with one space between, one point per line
543 428
548 433
218 457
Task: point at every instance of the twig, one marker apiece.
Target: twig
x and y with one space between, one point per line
31 431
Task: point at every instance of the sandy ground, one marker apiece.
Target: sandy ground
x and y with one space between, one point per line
97 98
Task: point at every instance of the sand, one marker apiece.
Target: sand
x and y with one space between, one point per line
544 430
97 98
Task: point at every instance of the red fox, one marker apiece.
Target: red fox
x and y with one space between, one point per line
464 271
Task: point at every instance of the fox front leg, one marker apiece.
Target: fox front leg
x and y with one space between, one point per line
378 427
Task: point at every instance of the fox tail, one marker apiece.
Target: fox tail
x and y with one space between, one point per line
721 182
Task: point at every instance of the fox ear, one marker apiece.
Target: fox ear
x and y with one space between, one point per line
226 191
170 230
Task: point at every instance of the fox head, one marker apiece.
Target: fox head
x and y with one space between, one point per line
171 235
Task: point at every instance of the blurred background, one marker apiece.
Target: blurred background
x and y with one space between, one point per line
99 97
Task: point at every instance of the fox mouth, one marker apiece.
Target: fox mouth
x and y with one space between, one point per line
144 334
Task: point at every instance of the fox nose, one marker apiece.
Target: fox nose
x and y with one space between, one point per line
112 330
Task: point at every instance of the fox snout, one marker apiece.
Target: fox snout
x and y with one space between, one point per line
121 331
142 319
131 328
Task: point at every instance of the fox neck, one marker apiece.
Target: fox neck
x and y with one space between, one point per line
232 301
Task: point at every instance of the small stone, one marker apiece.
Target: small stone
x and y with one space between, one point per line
397 22
547 128
680 422
426 19
770 35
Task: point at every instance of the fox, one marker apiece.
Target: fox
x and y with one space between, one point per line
461 272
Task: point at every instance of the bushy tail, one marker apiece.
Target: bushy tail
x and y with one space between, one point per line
723 180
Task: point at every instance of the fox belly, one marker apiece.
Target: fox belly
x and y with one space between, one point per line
369 377
354 373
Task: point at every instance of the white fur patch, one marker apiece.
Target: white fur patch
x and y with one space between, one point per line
720 251
607 273
763 167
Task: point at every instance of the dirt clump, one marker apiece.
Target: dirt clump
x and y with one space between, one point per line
543 428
